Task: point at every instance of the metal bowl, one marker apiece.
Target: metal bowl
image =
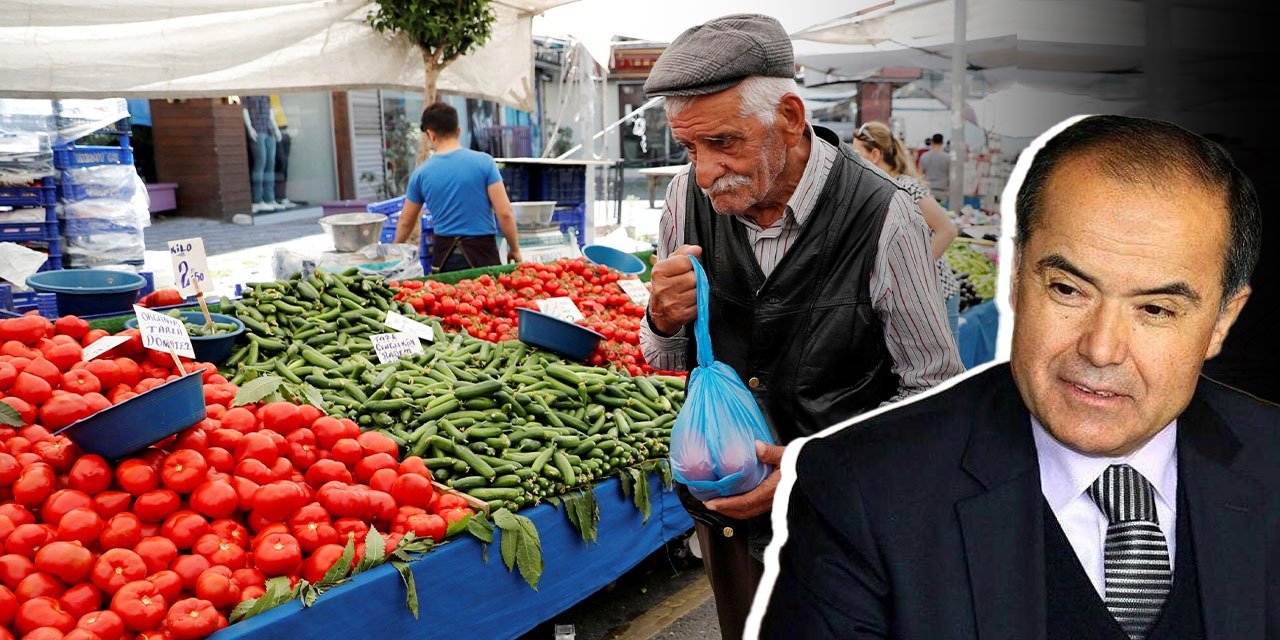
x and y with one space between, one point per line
351 231
534 215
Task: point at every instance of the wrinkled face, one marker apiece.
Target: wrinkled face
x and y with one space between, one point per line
1118 302
738 158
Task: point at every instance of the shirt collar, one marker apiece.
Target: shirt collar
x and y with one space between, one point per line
805 197
1066 474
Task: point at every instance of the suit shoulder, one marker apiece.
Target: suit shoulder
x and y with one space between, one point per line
1254 420
917 429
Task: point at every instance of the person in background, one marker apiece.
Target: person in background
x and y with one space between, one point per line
283 147
260 126
876 142
463 191
936 165
1095 486
823 294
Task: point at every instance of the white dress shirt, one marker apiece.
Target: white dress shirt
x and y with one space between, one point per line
1065 476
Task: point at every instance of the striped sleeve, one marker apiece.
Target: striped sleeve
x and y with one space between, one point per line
668 353
906 296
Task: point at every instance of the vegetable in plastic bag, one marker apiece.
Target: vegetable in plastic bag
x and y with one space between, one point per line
713 443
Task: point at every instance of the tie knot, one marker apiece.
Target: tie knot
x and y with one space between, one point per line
1124 495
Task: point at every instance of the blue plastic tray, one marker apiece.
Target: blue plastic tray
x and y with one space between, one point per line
143 420
619 260
214 348
553 334
89 291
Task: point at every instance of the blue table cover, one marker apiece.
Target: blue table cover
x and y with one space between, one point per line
461 596
977 336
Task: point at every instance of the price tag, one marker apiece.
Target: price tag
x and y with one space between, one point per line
103 345
393 346
409 325
636 290
190 268
562 308
163 333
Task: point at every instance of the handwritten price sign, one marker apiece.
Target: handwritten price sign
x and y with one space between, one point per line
561 307
190 268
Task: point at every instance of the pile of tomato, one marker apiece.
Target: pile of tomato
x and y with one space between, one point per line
163 545
485 307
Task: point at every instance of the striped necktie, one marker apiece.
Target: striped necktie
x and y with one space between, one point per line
1138 578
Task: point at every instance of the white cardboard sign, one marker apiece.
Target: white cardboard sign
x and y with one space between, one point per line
190 267
636 290
406 324
391 347
163 333
561 307
102 345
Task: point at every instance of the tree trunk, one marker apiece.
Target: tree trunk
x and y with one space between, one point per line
433 69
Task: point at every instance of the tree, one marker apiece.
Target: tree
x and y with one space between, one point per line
444 30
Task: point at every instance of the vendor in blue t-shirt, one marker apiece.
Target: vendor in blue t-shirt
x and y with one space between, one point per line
463 192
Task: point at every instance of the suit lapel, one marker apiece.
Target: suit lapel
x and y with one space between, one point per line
1226 526
1003 528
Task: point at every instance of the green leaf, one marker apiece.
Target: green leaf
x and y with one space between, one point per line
529 552
641 489
375 551
457 526
342 567
510 540
481 528
310 593
625 479
313 397
664 470
410 586
277 593
256 390
554 501
10 416
505 519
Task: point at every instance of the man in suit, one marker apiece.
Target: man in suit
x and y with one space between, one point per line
1096 486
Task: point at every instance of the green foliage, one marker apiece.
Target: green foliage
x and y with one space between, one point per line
445 29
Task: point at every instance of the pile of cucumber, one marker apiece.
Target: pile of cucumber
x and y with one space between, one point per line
503 422
200 329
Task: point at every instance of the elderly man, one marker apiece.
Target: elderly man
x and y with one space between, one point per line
823 294
1096 486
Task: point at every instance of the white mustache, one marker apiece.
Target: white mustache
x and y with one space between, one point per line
727 182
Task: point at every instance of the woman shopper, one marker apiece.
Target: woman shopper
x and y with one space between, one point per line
877 144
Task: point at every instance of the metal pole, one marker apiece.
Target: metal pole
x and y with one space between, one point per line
958 151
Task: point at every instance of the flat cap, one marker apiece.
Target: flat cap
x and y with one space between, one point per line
714 56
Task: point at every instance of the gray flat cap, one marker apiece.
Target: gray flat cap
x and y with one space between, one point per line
714 56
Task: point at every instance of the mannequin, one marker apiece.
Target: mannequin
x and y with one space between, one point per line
282 152
260 125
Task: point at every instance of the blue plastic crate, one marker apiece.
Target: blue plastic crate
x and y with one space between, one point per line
394 205
39 195
565 185
81 227
69 191
571 220
72 156
516 180
28 231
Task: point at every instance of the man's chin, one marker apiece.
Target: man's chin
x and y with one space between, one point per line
728 206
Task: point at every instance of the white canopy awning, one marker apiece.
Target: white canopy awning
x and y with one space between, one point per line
211 48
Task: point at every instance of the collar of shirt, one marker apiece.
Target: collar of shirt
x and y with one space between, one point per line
1066 474
805 197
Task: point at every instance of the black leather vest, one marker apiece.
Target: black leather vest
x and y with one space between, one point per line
1075 610
806 339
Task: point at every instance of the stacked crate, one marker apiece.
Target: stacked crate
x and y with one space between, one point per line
102 203
28 212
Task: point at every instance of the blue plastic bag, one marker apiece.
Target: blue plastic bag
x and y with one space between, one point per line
713 449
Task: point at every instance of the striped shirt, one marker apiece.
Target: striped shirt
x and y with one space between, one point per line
904 285
946 277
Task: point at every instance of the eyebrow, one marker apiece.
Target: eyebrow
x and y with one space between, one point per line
1058 261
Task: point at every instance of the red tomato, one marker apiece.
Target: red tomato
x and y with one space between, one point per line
367 466
220 459
39 584
257 446
27 539
428 526
190 567
107 625
155 506
110 503
140 605
62 501
220 551
277 554
231 530
412 489
372 442
347 451
81 599
90 474
184 528
35 483
320 561
137 477
193 618
281 417
183 470
168 582
215 499
82 525
327 471
13 568
157 552
276 501
220 590
67 561
42 612
240 419
382 479
116 568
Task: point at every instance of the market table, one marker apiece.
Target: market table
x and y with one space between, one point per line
457 591
654 174
977 336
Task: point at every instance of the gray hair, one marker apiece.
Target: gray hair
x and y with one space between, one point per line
760 96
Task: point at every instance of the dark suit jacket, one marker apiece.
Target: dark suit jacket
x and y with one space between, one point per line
927 522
